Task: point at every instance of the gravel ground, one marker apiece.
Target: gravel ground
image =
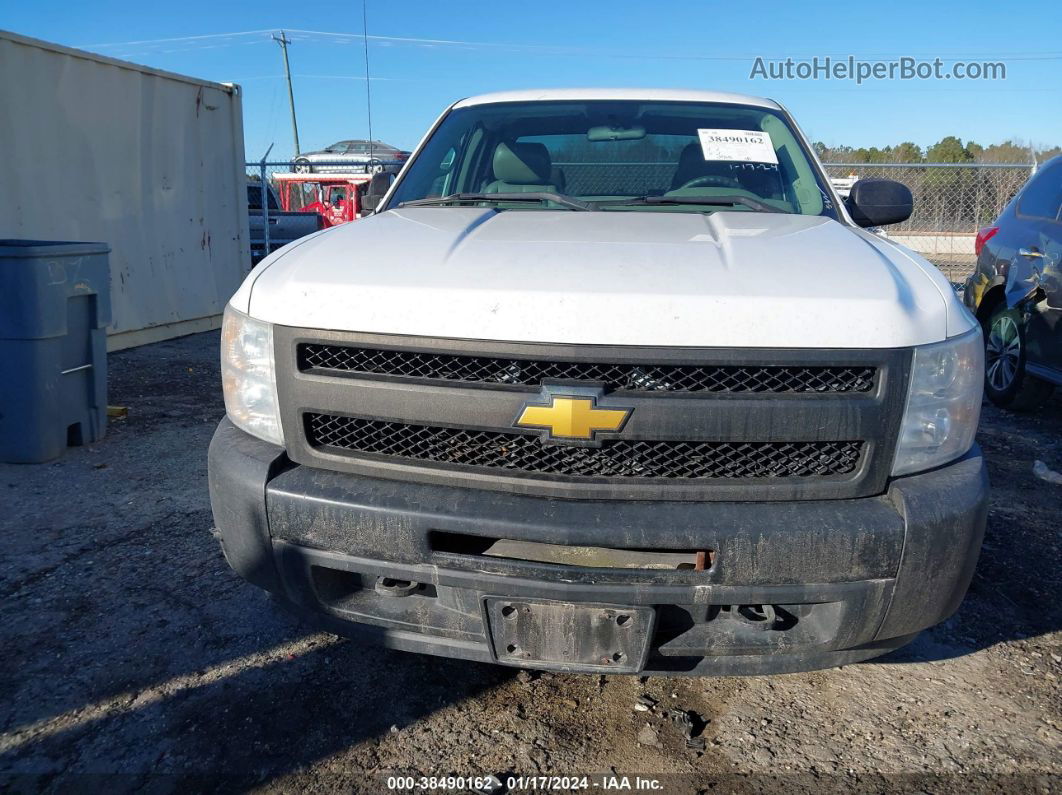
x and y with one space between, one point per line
131 657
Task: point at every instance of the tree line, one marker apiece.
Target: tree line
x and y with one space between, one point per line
949 149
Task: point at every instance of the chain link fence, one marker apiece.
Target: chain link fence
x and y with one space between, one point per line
951 202
329 191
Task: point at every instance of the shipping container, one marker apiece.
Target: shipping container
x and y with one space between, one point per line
149 162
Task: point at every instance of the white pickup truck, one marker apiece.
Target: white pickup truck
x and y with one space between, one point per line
611 381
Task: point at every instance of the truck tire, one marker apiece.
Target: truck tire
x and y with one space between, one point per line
1007 384
303 166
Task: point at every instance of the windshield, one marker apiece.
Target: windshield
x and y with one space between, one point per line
622 155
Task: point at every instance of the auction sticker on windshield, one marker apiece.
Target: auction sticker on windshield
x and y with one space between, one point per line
746 146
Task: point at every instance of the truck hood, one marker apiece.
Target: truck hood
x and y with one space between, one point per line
728 279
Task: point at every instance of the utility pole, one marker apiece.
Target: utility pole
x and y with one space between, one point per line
283 41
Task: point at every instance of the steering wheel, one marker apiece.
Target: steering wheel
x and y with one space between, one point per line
714 180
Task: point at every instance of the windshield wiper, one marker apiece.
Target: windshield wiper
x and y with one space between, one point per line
537 196
711 201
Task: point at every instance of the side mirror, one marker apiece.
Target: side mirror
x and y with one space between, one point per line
878 202
369 203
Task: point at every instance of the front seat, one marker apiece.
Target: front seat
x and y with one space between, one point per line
521 168
692 165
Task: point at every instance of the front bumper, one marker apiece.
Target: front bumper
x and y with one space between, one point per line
856 577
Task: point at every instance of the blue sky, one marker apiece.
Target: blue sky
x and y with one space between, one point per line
428 54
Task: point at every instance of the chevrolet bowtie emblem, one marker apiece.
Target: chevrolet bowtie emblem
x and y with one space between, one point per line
572 415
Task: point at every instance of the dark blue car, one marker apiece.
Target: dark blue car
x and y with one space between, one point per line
1016 293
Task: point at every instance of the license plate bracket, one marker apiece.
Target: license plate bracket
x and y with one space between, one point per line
563 636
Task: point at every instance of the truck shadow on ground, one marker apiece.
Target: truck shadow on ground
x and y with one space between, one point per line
229 731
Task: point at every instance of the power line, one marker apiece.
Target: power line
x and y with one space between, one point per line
547 49
182 38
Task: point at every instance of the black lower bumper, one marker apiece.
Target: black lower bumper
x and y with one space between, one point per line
846 579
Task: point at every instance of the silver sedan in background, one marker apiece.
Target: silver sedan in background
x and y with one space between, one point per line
368 157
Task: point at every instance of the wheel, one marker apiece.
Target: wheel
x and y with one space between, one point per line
374 166
1006 382
303 166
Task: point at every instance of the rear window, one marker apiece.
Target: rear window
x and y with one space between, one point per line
254 197
1042 197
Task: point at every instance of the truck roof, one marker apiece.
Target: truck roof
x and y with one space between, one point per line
647 94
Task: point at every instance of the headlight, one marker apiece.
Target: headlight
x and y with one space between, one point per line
943 403
247 376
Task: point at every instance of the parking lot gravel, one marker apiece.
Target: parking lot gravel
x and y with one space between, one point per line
131 657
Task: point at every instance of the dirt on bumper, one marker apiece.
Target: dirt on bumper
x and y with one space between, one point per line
791 586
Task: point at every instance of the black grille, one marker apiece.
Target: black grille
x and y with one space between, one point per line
622 458
627 377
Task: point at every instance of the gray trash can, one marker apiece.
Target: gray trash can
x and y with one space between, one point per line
55 304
